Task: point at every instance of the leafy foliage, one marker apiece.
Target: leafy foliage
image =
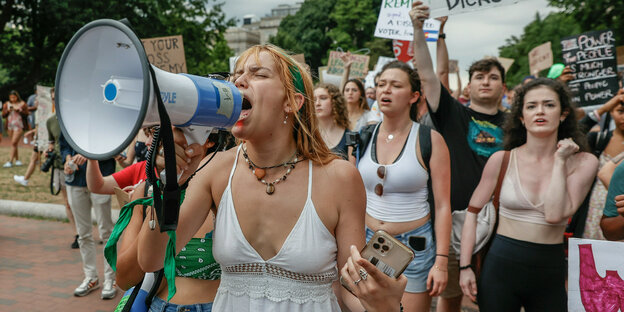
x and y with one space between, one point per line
324 25
595 14
39 30
552 28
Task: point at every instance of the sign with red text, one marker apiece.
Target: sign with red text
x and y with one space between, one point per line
359 65
166 53
595 271
541 57
591 57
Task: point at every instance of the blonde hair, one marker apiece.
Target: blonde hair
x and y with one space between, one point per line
294 77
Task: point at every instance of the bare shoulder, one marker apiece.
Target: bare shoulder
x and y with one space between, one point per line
338 170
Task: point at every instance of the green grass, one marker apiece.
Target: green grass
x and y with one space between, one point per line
38 189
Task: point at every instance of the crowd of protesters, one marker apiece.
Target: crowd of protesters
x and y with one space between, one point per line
424 155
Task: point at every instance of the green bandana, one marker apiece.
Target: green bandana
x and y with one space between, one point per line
110 251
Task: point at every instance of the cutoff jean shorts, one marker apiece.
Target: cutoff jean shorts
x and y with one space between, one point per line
418 270
159 305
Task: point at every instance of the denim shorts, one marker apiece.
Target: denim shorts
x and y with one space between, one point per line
418 270
159 305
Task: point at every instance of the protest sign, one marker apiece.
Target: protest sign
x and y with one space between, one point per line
394 22
359 65
453 7
324 77
166 53
591 57
594 283
453 66
43 112
620 55
403 50
540 58
505 62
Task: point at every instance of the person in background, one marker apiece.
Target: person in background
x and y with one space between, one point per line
14 111
370 96
331 114
612 222
34 159
32 108
359 112
81 202
137 150
472 133
396 180
614 146
548 175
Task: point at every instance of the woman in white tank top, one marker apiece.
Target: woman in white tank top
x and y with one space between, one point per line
287 210
395 178
546 180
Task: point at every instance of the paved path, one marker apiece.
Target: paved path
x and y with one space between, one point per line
39 271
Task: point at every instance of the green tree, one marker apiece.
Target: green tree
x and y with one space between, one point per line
324 25
595 14
38 30
552 28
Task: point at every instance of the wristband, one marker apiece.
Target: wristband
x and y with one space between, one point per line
442 255
442 36
461 268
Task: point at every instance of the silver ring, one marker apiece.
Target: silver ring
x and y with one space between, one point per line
356 282
363 274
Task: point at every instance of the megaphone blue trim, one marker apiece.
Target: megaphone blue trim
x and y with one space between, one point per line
215 105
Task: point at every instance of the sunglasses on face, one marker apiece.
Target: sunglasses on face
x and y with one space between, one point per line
381 173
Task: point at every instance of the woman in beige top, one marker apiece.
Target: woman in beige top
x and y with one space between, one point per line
548 177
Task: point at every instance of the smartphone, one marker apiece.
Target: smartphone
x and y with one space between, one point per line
387 253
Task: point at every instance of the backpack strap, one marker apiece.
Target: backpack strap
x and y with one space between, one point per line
424 141
365 134
130 301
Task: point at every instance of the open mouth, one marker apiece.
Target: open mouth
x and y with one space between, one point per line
246 104
245 109
540 121
386 100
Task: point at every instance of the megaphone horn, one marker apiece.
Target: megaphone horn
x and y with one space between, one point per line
105 95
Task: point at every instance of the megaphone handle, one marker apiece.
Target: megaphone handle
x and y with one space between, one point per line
196 134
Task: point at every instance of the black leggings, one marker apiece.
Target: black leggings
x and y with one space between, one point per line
522 274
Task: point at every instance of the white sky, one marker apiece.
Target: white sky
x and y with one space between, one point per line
470 36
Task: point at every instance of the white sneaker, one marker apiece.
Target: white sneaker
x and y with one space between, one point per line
87 286
7 164
109 290
18 163
20 180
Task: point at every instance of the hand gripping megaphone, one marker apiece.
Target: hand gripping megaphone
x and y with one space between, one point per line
105 93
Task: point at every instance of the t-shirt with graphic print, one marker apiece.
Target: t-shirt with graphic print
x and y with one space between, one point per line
472 138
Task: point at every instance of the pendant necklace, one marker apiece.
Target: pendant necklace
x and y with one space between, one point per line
260 172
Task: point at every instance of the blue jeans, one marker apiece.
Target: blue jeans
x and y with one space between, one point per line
418 270
159 305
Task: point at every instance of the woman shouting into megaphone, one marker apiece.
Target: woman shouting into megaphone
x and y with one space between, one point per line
287 210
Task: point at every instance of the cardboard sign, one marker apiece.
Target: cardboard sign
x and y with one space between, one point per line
541 57
620 55
453 66
359 65
394 22
505 62
324 77
591 57
453 7
43 112
594 275
166 53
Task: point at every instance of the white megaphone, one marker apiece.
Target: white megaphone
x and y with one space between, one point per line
105 94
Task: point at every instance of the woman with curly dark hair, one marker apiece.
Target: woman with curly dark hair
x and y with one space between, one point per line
547 177
331 113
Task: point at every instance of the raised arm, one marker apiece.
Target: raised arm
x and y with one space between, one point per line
480 197
422 58
442 58
566 192
346 60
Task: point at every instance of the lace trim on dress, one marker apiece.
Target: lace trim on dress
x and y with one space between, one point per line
262 280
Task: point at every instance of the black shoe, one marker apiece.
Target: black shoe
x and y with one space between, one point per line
75 244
